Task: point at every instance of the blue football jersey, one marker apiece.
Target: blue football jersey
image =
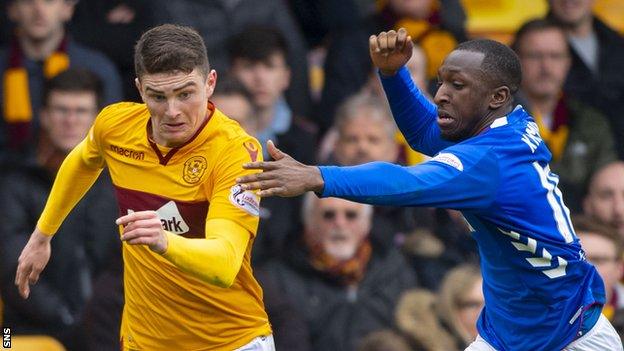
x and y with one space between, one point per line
536 280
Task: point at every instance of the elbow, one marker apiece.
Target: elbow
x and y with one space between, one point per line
225 280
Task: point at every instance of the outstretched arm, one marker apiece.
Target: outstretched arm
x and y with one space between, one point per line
73 180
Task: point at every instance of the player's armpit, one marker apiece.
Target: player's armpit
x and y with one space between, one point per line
215 259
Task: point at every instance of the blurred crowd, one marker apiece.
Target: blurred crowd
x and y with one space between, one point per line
336 275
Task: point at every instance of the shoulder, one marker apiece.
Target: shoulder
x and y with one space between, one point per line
119 116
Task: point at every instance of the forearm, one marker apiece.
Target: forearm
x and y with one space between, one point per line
414 114
215 259
73 180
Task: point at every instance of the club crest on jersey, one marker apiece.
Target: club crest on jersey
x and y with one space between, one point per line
245 200
252 149
194 169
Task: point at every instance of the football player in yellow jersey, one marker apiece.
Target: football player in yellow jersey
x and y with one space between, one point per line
187 227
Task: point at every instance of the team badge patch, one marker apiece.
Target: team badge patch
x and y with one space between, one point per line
450 160
252 149
245 200
194 169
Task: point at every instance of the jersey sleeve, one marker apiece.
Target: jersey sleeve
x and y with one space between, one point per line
463 178
228 200
413 113
91 150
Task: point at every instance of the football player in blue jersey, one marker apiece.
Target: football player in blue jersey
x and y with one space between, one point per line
489 162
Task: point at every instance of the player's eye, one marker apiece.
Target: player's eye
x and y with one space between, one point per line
184 95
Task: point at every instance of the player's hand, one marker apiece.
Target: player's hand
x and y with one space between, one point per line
32 261
283 177
390 50
144 228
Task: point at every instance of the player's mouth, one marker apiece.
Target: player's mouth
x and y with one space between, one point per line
445 120
173 127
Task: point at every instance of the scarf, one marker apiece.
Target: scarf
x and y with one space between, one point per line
556 137
18 112
346 272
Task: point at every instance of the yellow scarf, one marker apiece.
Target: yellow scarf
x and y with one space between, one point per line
17 105
556 137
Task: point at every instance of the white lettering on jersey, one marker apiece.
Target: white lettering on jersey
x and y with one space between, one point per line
449 159
531 136
245 200
170 218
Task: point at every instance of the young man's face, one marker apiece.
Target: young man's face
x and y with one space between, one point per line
266 80
39 20
545 62
177 102
67 116
463 95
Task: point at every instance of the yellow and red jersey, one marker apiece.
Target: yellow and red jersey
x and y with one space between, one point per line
165 308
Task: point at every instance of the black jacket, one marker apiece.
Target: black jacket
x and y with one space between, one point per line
338 317
80 250
605 89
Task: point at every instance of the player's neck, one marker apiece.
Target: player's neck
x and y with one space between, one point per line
490 117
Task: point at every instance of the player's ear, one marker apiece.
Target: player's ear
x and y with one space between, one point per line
137 83
211 82
500 96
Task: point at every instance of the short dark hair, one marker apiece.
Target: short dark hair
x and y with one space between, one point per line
535 25
587 224
500 63
229 86
257 44
170 48
74 80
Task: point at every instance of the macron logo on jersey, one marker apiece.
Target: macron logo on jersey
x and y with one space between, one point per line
171 219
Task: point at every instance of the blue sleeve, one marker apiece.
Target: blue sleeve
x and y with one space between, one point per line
414 114
460 179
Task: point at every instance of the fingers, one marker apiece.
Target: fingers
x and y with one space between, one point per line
373 45
401 38
277 191
20 280
261 185
263 165
275 153
135 216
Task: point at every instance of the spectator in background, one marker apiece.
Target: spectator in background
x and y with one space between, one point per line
237 102
595 76
578 136
344 284
259 61
603 248
605 196
231 97
40 50
218 20
446 321
88 237
113 26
